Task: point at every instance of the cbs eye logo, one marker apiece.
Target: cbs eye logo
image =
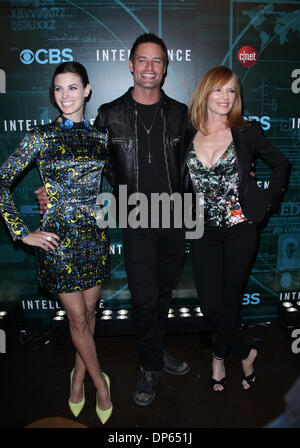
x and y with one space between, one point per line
43 56
27 56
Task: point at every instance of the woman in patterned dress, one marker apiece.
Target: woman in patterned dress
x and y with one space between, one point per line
73 252
219 150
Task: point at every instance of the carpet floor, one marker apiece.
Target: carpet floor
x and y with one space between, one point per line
35 385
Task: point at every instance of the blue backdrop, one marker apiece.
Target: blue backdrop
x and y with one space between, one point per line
259 40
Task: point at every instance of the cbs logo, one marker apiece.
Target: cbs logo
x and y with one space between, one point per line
251 299
43 56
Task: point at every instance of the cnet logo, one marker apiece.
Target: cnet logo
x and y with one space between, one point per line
247 56
43 56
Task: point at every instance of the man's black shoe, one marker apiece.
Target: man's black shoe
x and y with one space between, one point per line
174 366
146 387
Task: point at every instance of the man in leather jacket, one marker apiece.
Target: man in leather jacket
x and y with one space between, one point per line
145 128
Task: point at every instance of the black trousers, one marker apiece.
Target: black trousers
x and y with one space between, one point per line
221 262
153 262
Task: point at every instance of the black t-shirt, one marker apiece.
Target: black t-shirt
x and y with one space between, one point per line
152 177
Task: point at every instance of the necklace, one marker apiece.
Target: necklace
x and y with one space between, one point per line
148 130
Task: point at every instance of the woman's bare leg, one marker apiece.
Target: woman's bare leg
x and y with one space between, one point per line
91 297
75 305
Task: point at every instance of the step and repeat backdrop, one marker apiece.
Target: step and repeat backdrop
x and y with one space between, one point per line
259 40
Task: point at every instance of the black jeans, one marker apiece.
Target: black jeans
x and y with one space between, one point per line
221 262
153 262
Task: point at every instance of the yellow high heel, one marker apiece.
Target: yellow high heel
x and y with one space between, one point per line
104 415
76 408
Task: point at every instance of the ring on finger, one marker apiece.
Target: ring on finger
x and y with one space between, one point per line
48 238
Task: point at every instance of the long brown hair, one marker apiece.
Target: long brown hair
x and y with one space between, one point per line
216 77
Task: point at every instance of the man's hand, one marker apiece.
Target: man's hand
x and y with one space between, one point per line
42 199
45 240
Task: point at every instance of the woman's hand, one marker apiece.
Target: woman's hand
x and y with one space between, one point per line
42 199
45 240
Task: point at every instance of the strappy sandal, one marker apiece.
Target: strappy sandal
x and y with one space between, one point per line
222 382
250 379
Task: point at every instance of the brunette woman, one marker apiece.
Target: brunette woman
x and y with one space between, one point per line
73 253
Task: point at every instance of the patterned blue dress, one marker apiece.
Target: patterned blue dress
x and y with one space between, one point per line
72 159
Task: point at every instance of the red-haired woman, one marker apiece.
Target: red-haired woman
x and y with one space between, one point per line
219 150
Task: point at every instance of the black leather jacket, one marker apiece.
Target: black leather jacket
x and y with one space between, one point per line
120 118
